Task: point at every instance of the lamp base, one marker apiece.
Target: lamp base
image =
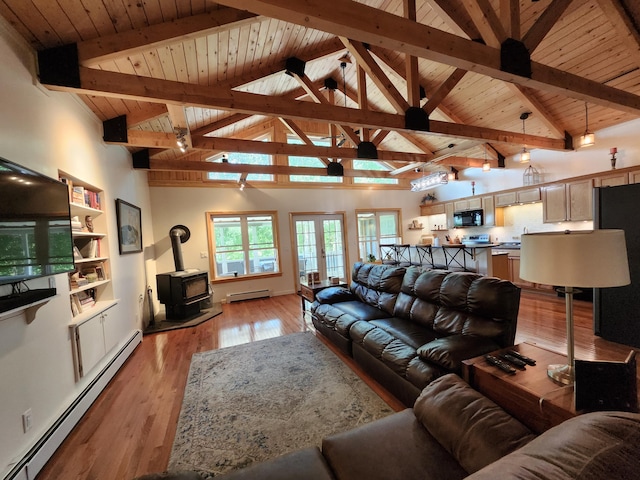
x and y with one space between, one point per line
562 374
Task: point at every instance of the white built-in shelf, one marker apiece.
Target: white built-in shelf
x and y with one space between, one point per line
99 307
89 286
94 259
29 310
88 234
79 209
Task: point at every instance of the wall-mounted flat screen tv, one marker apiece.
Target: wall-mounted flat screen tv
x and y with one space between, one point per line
35 225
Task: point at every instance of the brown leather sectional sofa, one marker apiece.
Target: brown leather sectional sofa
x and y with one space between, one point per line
454 432
408 326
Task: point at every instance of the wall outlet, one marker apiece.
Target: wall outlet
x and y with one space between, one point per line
203 255
27 420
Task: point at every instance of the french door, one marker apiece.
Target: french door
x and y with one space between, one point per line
320 245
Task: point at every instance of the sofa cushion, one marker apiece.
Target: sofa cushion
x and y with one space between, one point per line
410 333
449 352
468 425
334 295
360 310
377 285
396 446
592 446
308 463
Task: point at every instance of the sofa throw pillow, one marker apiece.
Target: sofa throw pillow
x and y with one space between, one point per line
467 424
333 295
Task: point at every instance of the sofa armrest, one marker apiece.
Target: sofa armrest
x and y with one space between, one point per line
449 352
472 428
333 295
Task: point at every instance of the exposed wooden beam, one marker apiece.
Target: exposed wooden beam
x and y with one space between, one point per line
465 162
510 18
111 47
363 100
146 113
545 22
222 123
296 130
379 137
411 62
528 98
623 25
486 21
313 92
443 90
456 17
361 22
113 84
377 75
199 166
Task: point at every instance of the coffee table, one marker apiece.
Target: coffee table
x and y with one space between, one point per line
528 395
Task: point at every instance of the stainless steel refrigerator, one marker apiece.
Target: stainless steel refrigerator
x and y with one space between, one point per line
616 311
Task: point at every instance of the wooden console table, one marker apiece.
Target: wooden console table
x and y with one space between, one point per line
529 395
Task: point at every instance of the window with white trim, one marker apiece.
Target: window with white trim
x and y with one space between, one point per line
375 228
243 245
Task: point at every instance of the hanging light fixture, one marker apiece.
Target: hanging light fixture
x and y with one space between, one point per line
181 141
525 155
589 138
429 181
486 166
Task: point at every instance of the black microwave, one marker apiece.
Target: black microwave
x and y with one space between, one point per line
468 218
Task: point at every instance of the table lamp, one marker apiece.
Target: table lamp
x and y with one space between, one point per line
570 259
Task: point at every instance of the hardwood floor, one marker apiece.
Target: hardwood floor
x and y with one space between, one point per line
129 430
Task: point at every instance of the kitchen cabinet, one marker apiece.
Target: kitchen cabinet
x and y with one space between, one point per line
554 203
634 176
613 179
572 201
500 266
530 195
580 200
448 212
493 217
506 199
473 203
426 210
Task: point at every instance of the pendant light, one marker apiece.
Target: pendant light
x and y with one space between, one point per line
486 166
525 155
589 138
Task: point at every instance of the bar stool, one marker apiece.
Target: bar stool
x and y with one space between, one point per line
388 254
425 257
403 254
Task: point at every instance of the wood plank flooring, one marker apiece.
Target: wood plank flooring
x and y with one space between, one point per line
129 430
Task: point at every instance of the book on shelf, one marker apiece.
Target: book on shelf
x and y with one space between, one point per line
91 249
78 195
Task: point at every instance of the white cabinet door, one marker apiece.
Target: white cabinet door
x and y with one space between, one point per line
89 339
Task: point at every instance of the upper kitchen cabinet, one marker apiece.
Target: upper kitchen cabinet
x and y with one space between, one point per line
426 210
568 202
493 217
612 179
473 203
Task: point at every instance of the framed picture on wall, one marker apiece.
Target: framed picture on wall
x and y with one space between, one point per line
129 219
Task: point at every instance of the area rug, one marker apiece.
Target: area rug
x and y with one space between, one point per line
256 401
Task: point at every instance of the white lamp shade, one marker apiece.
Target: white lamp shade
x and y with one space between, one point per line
590 259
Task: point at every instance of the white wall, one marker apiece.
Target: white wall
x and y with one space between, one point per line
47 131
187 206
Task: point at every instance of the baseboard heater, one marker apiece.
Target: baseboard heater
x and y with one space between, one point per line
236 297
36 458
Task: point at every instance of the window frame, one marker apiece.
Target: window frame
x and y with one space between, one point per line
246 246
377 212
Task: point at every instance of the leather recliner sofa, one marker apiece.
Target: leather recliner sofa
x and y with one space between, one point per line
454 432
408 326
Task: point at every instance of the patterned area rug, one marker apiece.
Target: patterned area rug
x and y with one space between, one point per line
256 401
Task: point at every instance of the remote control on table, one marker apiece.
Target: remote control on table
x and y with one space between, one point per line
515 361
527 360
505 367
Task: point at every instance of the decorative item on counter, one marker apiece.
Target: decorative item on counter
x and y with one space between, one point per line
613 152
436 241
371 258
473 188
428 198
531 176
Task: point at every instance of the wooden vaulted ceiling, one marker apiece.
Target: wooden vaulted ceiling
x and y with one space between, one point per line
220 71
